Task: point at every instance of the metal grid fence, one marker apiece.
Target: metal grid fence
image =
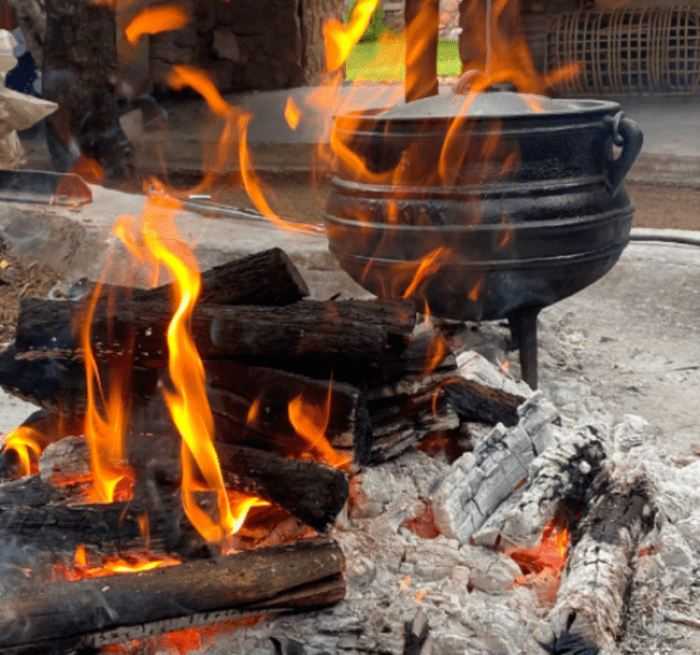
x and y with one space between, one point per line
652 50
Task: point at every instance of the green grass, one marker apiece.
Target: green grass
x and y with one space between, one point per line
370 61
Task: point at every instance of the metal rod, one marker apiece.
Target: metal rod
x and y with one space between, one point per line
523 328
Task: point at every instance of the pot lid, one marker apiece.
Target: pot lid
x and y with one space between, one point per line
493 104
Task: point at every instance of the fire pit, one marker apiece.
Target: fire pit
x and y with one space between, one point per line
483 206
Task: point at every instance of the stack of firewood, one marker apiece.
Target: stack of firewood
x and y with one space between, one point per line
378 385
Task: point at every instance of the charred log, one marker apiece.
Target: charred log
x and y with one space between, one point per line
312 491
63 617
352 335
591 599
254 403
36 514
406 412
476 402
264 278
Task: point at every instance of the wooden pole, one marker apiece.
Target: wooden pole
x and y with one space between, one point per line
422 24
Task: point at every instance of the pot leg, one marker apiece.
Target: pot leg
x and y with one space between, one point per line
523 328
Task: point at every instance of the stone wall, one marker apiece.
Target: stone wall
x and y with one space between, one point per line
247 44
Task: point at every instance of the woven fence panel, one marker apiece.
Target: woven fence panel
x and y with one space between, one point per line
627 50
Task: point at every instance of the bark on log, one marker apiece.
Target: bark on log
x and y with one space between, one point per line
353 336
264 278
312 491
592 596
35 514
66 616
476 402
79 72
405 413
31 16
255 402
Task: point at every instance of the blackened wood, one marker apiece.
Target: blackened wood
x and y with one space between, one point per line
312 491
617 515
357 333
35 514
79 72
406 412
426 354
264 278
478 403
257 400
65 616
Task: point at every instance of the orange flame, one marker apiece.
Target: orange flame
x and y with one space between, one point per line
111 565
428 266
341 39
235 132
311 423
156 19
25 440
551 553
106 415
292 113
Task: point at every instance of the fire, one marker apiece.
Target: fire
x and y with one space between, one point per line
550 555
81 569
25 441
292 113
311 423
341 39
153 20
235 131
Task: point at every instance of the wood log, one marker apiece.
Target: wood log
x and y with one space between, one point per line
264 278
255 402
406 412
349 335
62 617
478 403
557 482
311 491
590 603
82 79
479 481
35 514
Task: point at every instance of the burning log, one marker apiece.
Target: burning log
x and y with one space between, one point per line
254 403
406 412
36 514
478 482
312 491
264 278
66 616
558 479
353 335
591 599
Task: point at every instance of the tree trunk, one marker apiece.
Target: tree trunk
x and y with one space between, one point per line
31 16
79 72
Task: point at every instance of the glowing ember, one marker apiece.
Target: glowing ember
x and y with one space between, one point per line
550 554
81 569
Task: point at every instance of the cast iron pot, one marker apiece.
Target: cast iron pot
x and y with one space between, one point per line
525 208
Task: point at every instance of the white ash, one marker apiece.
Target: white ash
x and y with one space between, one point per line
68 457
477 483
476 367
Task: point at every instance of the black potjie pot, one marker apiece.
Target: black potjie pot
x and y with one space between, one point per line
524 207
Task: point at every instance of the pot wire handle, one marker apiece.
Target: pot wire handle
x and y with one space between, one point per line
625 133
